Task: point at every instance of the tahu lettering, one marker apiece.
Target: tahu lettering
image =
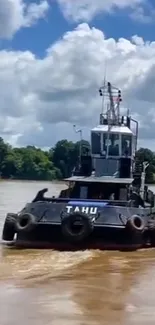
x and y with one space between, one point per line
86 210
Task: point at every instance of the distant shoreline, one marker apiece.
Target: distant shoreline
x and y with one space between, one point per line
31 180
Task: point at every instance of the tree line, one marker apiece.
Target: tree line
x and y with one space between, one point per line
31 163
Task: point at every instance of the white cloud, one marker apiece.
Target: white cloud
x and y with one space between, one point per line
40 99
34 12
15 14
85 10
144 14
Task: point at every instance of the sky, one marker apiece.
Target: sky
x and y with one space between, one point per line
53 55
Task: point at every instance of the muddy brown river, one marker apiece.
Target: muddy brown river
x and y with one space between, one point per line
45 287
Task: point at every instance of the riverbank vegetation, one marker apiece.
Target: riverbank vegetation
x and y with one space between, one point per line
31 163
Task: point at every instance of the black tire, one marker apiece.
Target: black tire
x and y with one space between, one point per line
9 228
71 231
25 222
136 224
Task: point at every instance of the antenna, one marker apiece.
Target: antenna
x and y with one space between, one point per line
78 131
104 85
80 147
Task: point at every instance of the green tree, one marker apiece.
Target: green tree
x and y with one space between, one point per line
4 150
64 156
144 154
11 165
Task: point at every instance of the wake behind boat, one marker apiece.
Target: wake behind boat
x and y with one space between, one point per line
106 205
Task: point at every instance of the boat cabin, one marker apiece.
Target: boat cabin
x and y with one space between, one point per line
113 149
115 190
97 188
118 143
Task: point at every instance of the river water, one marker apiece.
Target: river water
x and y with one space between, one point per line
45 287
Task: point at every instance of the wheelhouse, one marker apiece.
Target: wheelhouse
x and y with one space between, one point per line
118 143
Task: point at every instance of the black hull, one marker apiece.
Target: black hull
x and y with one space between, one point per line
50 237
56 226
21 244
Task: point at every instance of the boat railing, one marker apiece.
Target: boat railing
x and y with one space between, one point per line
122 120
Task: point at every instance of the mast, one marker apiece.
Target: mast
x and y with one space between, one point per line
112 115
112 106
113 96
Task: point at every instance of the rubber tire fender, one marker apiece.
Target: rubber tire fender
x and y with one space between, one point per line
26 222
9 228
136 223
68 221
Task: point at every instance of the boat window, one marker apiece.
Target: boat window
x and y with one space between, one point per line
83 192
98 191
123 194
96 143
126 145
112 141
75 191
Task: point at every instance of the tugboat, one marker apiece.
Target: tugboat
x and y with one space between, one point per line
106 205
